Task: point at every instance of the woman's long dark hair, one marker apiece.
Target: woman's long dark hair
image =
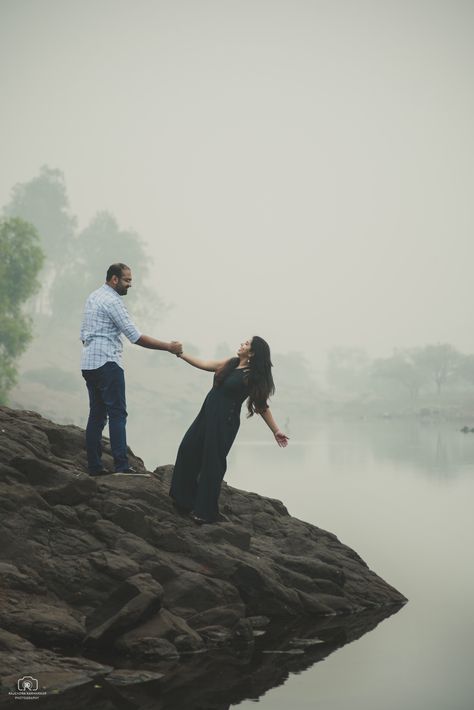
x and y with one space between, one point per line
258 375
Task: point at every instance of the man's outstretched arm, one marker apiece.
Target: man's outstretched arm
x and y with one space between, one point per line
146 341
120 317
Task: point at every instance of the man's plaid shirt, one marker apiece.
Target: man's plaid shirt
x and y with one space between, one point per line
105 319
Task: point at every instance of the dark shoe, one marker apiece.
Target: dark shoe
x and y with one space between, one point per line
96 474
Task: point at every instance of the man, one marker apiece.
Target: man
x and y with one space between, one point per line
105 319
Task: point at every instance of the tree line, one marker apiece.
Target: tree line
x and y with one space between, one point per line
47 264
431 368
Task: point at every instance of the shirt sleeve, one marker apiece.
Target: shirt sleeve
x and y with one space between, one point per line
119 315
82 334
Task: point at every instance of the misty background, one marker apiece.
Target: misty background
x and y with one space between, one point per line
299 170
302 171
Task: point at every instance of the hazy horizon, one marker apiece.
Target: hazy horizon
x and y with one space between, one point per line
298 170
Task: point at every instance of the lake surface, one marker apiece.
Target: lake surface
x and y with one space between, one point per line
401 494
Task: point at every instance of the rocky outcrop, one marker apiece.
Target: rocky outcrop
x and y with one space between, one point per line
106 566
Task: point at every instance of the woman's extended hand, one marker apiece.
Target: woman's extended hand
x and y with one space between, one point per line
281 438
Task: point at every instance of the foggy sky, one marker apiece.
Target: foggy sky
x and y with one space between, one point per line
298 169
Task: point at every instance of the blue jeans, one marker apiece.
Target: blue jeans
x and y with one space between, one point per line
106 387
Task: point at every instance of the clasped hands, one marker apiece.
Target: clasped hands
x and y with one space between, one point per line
176 348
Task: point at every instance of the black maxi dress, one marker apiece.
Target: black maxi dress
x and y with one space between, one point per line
201 460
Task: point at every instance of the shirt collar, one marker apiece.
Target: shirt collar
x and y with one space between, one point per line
106 287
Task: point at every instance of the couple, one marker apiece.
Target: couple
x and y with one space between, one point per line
201 460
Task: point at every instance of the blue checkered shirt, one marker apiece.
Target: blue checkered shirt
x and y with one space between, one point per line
105 319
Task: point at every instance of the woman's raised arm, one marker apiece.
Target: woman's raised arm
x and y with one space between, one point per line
209 365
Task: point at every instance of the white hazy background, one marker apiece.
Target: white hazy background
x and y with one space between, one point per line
300 169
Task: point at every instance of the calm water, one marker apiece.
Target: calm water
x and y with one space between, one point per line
401 494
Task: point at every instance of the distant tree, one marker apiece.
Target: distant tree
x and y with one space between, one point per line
100 244
76 263
402 367
43 202
348 369
465 368
298 393
292 368
21 259
440 363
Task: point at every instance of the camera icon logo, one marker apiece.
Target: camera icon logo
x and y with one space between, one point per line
27 683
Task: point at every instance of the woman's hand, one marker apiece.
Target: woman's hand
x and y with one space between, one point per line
281 438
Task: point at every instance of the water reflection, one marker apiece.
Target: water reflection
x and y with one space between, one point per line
220 679
400 493
437 449
432 449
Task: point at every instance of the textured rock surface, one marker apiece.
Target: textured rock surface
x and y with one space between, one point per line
106 564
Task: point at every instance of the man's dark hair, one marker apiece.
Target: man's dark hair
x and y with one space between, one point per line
116 270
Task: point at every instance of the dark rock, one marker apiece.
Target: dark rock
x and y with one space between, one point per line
113 551
243 631
14 579
305 643
258 622
125 676
216 635
166 537
235 535
12 643
128 517
49 625
312 568
54 483
64 440
218 615
197 592
55 674
131 603
188 644
262 591
290 651
147 647
164 625
114 565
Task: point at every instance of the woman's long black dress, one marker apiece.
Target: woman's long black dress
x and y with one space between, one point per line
201 461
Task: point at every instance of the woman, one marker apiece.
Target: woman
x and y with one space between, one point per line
201 460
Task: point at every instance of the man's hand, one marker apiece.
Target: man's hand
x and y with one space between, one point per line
176 347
